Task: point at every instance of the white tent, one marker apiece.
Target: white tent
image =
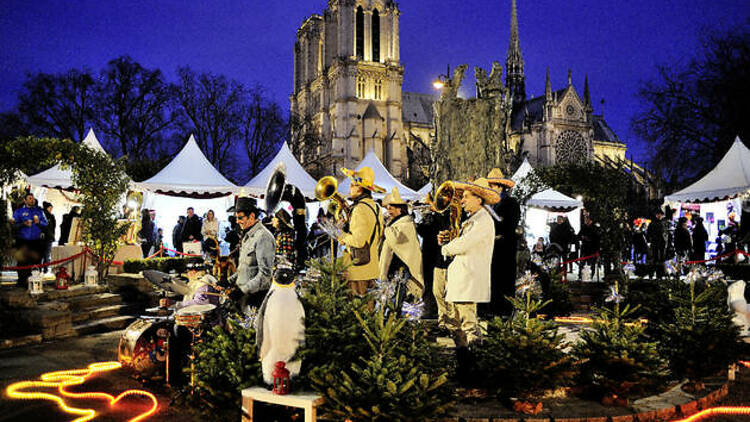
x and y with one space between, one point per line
731 177
548 199
425 190
295 174
189 173
383 178
59 178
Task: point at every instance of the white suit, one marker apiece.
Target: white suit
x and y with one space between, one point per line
469 273
280 329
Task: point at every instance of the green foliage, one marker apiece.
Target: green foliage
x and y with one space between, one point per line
178 264
523 356
695 329
387 384
100 182
616 356
226 363
333 336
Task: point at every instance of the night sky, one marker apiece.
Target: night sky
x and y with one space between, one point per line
617 43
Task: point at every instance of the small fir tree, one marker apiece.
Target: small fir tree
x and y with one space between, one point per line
699 337
523 356
616 357
226 363
387 384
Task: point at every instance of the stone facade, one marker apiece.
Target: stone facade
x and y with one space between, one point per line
347 81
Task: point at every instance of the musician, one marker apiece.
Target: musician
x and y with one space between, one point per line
362 234
432 260
506 244
253 277
400 252
469 273
199 289
284 233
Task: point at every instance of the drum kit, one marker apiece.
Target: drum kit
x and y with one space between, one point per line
149 345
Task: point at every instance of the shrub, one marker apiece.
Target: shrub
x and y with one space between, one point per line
179 265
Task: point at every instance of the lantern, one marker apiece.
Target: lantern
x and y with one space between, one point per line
586 273
62 279
35 283
90 276
280 379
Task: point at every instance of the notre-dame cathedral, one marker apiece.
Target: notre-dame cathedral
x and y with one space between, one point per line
348 88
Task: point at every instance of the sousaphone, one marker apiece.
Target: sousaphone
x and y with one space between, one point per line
278 190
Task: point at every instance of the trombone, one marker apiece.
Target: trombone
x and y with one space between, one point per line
327 188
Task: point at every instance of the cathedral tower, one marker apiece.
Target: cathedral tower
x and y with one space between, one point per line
347 83
515 81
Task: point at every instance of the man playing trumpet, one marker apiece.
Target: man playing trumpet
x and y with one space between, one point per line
469 274
365 228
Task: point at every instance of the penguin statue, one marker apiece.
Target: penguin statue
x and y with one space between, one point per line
738 304
280 326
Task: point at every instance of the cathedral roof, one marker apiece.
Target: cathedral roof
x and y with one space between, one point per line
417 108
602 131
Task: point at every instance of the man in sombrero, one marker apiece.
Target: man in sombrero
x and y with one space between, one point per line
506 244
469 273
363 235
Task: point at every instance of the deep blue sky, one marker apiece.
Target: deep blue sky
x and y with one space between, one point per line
617 43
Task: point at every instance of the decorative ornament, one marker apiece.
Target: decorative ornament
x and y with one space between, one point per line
35 283
671 266
413 311
281 379
62 279
614 295
528 283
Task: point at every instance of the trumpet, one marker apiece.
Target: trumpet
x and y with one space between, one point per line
327 188
448 196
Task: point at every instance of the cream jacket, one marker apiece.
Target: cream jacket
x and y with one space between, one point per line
361 227
469 273
210 228
400 238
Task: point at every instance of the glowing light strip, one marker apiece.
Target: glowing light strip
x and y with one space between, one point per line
745 363
62 379
715 411
587 320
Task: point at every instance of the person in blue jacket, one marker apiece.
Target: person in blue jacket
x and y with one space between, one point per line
29 224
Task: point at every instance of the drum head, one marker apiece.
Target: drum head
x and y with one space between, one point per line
196 309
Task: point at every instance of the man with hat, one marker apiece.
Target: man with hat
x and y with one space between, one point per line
508 212
257 250
469 273
400 252
657 236
363 234
284 233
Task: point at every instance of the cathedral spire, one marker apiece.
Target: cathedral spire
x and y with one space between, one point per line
570 77
548 87
515 81
586 93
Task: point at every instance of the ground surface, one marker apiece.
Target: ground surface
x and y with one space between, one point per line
28 363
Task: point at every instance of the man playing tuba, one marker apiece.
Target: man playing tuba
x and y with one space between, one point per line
362 234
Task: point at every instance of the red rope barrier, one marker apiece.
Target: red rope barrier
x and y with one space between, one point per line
734 252
161 249
48 264
578 259
182 253
93 255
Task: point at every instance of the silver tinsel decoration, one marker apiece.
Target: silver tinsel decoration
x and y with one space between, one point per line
614 295
332 228
672 266
528 282
385 290
247 320
412 311
628 267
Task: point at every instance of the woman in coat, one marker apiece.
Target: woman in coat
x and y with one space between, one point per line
683 244
400 252
700 237
210 233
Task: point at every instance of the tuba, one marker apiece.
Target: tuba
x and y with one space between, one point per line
448 196
279 190
327 188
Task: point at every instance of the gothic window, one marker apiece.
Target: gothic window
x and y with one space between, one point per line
378 90
360 32
361 87
570 147
375 36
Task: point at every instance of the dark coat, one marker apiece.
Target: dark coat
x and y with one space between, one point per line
49 233
562 234
192 227
700 237
683 244
589 235
504 255
65 226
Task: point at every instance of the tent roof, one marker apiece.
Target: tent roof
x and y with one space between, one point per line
548 199
295 174
189 173
729 178
424 190
56 177
383 178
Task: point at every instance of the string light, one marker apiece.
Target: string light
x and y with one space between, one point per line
714 411
587 320
63 379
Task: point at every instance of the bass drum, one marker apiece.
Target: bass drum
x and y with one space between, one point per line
144 348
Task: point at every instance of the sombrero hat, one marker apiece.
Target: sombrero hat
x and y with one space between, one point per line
496 177
363 177
481 188
393 198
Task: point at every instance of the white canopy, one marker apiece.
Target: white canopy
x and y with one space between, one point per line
548 199
56 177
295 174
728 179
425 190
383 178
189 173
